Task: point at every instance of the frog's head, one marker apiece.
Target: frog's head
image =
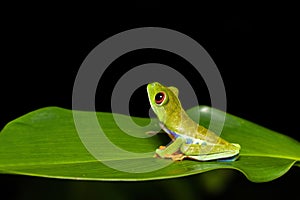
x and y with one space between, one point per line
163 100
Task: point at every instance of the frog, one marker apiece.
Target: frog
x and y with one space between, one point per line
189 139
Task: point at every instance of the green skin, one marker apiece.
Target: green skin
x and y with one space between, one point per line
190 140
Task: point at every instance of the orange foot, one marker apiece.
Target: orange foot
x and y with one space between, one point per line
174 157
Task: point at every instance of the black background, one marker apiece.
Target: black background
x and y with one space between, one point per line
255 49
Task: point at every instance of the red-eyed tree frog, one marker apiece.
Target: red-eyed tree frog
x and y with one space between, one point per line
189 139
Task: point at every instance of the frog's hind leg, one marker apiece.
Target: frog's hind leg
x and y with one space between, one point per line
209 152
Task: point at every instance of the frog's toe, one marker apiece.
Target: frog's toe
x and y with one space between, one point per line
178 157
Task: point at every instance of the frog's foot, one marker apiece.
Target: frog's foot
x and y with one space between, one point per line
162 147
176 157
159 153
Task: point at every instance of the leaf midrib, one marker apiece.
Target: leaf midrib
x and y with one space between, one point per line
271 156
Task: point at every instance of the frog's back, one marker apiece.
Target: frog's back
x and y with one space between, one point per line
192 129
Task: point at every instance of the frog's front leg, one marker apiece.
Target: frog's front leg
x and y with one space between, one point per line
171 150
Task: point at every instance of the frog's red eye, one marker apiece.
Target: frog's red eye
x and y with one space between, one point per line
160 97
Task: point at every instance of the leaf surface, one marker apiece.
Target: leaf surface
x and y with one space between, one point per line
46 143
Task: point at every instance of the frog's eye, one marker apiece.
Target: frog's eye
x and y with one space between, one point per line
160 97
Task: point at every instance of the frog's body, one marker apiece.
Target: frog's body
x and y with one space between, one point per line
189 138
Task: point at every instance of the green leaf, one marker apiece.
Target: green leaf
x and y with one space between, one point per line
46 143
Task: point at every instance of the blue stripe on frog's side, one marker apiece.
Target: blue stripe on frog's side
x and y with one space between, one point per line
175 135
169 132
230 159
189 140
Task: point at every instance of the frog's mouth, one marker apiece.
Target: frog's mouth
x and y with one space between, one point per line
149 90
